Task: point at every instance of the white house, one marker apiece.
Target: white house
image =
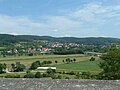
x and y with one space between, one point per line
45 68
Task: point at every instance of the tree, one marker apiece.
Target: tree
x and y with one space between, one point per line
74 60
110 65
19 67
30 54
13 66
63 61
85 75
56 62
29 75
68 60
2 68
51 71
35 65
92 59
46 62
38 75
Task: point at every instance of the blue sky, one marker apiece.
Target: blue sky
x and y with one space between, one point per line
61 18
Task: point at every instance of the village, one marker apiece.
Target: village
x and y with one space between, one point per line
45 47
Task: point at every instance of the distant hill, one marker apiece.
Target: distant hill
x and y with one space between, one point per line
11 39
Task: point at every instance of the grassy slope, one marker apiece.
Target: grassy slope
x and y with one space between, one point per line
91 66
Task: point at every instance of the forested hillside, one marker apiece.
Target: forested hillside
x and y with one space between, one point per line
11 39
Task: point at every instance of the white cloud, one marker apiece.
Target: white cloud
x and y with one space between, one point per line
19 25
68 35
55 30
85 21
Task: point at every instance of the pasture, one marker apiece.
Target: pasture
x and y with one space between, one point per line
82 62
27 60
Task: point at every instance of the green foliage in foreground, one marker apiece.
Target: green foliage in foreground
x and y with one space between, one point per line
2 68
35 64
110 65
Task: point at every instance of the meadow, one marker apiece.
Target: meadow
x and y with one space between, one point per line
27 60
82 62
81 66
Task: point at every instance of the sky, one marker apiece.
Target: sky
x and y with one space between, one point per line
61 18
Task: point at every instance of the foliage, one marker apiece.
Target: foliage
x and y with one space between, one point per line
86 75
45 75
38 75
18 67
72 73
50 71
92 59
12 76
56 62
46 62
29 75
11 39
35 64
2 68
56 76
110 65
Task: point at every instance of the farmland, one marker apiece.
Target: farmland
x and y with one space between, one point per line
30 59
82 63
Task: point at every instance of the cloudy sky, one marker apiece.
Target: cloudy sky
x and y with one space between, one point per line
60 18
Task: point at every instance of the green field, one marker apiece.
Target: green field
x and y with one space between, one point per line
82 62
83 66
29 59
1 48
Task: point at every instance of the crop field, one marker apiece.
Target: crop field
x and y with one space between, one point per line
82 62
29 59
1 48
83 66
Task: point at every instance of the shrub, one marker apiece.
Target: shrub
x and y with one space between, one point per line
86 75
72 73
12 76
38 75
50 71
67 77
92 59
29 75
35 64
45 75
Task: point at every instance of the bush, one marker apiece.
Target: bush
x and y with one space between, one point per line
92 59
12 76
56 76
50 71
67 77
72 73
30 54
35 65
38 75
29 75
28 71
86 75
19 67
46 62
45 75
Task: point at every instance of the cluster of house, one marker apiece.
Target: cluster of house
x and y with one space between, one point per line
30 50
58 44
